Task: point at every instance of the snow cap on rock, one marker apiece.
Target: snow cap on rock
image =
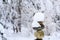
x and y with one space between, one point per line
37 17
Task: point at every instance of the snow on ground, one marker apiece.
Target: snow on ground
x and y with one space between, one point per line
18 36
54 36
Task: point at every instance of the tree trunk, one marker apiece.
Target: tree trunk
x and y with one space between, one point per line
19 11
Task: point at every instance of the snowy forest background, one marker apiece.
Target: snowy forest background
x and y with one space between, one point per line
19 14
